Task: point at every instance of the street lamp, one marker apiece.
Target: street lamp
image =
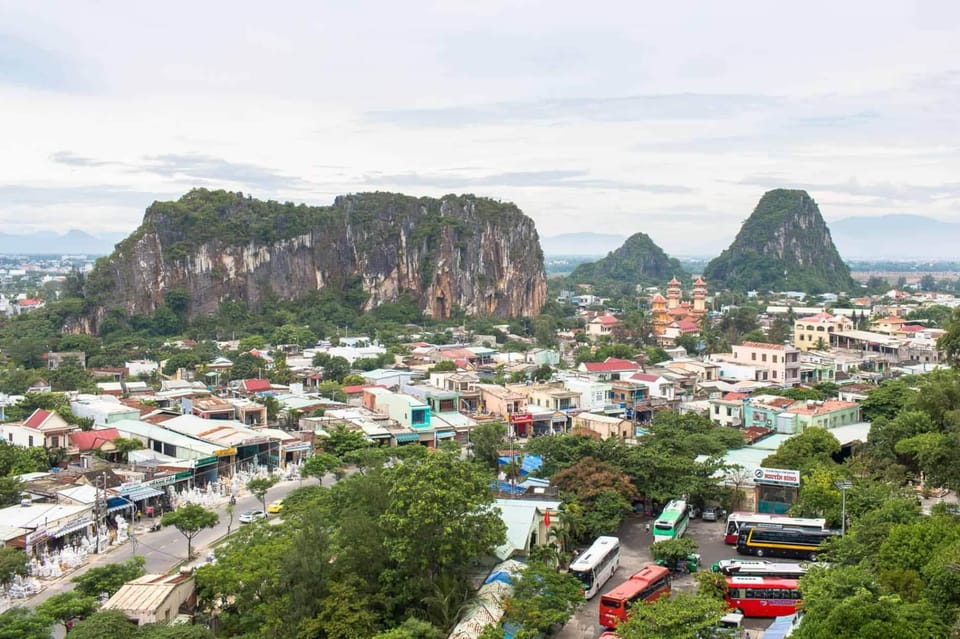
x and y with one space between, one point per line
844 486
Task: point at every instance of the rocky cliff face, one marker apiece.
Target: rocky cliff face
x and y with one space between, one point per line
465 252
783 245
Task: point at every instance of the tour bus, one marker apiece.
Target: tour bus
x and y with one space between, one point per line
762 596
649 584
782 542
736 521
760 568
597 564
672 522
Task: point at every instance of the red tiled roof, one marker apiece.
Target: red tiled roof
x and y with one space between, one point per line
819 317
29 302
37 418
644 377
256 385
688 326
732 397
356 388
93 439
607 320
611 364
911 329
800 408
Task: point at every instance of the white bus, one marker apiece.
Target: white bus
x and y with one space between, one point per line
672 522
597 564
736 521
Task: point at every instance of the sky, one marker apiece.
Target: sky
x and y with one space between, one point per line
612 117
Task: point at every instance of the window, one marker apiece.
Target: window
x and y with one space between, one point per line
774 359
716 410
729 412
29 440
774 374
753 356
763 357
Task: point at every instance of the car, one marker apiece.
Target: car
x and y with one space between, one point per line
249 516
275 507
710 513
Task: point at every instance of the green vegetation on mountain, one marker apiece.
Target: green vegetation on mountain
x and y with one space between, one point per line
783 245
638 261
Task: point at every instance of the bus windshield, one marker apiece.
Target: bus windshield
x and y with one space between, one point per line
585 577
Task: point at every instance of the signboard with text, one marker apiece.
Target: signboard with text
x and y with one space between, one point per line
776 476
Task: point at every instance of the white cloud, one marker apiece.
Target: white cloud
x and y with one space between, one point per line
622 117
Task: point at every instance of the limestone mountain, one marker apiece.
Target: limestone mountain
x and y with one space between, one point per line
638 261
458 252
783 245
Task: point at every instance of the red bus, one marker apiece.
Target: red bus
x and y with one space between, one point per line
763 596
649 584
736 521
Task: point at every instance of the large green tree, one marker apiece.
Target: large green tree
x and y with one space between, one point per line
109 578
682 616
190 520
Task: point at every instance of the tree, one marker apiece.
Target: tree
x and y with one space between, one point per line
107 623
682 616
486 440
949 342
446 500
11 489
190 520
108 579
259 487
124 445
412 628
65 606
673 552
336 369
814 446
341 442
13 564
182 631
542 599
319 465
23 623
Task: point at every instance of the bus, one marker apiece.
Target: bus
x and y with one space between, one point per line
597 564
760 568
762 596
736 521
672 522
649 584
782 542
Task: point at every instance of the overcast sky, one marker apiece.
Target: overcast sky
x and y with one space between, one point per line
668 118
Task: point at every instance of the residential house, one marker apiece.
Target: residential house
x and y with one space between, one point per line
660 386
158 599
389 377
604 426
632 398
95 441
510 405
408 411
890 325
761 411
825 414
727 410
813 332
602 325
102 409
700 370
609 369
593 393
776 363
48 428
55 360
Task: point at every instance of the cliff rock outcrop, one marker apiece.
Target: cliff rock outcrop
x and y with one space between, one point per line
783 245
475 254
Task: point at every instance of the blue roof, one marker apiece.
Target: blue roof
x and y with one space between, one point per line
780 627
501 575
528 464
506 487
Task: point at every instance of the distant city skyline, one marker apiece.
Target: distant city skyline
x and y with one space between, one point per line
670 120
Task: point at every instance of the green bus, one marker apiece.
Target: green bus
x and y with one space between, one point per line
672 522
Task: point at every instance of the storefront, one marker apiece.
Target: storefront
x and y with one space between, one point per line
776 489
205 470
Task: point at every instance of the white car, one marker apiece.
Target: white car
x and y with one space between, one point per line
249 516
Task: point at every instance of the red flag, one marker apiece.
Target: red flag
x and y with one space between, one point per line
546 519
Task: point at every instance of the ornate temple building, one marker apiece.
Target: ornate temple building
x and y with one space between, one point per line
672 316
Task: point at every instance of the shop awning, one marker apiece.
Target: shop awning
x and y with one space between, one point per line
139 493
117 503
71 527
445 434
407 437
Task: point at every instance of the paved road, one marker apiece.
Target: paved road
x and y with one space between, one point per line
167 548
635 553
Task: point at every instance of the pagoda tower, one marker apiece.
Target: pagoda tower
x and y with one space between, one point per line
699 296
659 313
673 294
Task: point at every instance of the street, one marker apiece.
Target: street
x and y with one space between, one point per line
635 553
166 548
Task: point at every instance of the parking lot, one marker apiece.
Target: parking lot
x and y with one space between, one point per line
635 552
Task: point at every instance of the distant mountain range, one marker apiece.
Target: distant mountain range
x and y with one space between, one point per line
73 242
895 236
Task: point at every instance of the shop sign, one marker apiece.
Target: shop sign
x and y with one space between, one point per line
292 448
160 482
776 476
34 538
225 452
206 461
186 474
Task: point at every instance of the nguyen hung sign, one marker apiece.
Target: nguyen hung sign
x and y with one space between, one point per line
776 476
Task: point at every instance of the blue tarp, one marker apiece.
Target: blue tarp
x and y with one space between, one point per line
528 464
500 575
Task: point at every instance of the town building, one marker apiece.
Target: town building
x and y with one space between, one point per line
813 332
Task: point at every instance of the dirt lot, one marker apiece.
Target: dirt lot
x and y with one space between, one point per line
636 542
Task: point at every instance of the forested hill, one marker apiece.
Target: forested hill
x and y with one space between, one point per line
474 254
783 245
638 261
